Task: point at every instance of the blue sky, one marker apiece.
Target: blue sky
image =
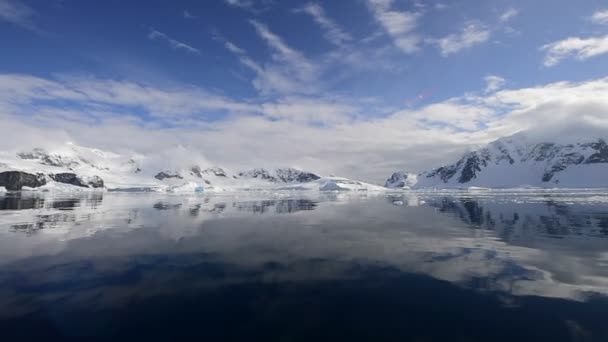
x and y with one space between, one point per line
362 82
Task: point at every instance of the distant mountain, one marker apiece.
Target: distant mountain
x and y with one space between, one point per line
281 175
518 161
401 180
72 166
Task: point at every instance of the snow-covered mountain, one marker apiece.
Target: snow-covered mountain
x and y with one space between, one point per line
72 166
401 180
518 161
281 175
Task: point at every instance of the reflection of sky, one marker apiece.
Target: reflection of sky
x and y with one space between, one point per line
554 247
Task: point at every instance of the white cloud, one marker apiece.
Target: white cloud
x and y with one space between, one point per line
600 17
400 25
269 79
493 83
508 15
472 34
333 32
579 48
318 133
101 94
240 3
290 71
175 44
17 13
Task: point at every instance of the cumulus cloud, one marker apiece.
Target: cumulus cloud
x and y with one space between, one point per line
400 25
333 32
578 48
318 133
17 13
472 34
175 44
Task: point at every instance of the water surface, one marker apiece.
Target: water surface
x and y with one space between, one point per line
427 266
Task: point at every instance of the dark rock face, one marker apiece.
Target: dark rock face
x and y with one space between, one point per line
95 182
15 180
470 167
219 172
68 178
196 171
286 175
302 177
444 172
164 175
258 173
73 179
562 163
397 180
601 156
215 171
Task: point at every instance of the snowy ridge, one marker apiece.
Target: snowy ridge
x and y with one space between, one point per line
80 168
401 180
516 161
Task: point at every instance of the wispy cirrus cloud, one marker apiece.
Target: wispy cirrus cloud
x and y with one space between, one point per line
574 47
175 44
333 33
400 25
101 94
473 33
271 78
289 71
240 3
17 13
188 15
508 15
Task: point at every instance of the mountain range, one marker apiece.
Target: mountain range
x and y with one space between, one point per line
520 161
511 162
73 167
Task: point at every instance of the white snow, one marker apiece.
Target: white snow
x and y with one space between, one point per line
517 162
130 172
401 179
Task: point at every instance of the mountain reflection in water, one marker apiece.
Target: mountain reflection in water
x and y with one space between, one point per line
428 266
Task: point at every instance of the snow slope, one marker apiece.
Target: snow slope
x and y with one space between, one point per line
334 184
127 172
518 161
401 179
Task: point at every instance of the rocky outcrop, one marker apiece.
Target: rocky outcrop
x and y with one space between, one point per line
74 179
165 175
281 175
601 154
16 180
401 179
95 182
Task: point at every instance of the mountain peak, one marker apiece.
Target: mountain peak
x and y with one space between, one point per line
515 161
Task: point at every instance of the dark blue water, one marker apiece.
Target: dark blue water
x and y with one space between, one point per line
452 266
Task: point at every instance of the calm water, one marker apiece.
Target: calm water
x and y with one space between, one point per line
453 266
